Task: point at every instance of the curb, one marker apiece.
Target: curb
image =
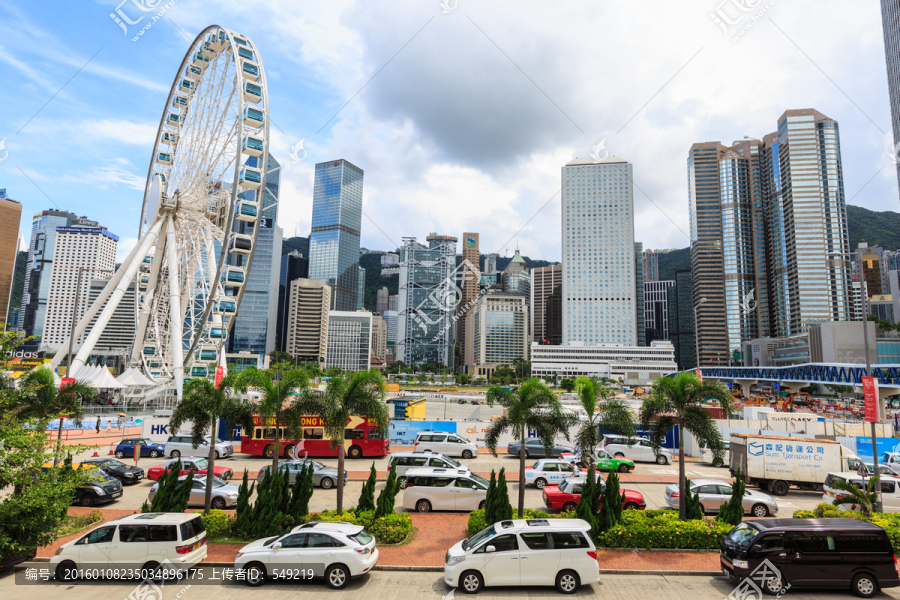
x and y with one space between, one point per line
637 572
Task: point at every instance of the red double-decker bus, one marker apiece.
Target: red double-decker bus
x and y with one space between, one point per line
361 438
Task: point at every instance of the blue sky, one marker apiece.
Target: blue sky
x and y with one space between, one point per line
460 119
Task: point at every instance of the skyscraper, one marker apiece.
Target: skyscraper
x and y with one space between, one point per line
497 331
349 340
470 286
381 300
651 265
515 276
307 319
10 218
293 266
639 292
890 24
680 299
656 309
546 289
361 290
598 291
766 218
336 223
490 262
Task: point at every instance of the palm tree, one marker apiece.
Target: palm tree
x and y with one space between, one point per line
612 415
204 403
280 392
531 407
678 401
357 395
867 499
40 399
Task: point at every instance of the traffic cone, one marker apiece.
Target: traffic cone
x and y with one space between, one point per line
110 451
96 453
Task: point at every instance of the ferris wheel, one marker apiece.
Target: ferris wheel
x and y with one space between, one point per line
202 204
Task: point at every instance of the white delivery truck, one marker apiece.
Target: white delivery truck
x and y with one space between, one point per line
775 463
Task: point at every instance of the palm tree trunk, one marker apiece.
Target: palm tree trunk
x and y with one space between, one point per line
522 472
682 491
277 451
212 464
340 479
58 442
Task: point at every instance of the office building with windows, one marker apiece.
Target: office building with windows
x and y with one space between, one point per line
680 313
496 331
390 318
307 319
293 266
890 23
379 337
470 285
336 223
381 300
349 340
118 337
490 262
598 291
639 292
10 218
515 276
656 309
546 305
361 290
651 265
635 365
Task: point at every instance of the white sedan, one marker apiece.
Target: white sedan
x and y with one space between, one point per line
549 471
335 551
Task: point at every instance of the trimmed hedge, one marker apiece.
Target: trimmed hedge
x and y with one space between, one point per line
890 522
391 529
218 523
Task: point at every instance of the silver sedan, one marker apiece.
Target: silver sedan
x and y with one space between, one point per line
323 476
714 493
224 494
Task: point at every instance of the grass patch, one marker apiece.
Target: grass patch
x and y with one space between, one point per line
75 523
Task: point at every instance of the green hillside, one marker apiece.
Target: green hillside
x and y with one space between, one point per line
876 228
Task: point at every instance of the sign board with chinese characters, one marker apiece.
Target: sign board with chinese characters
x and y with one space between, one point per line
786 458
870 393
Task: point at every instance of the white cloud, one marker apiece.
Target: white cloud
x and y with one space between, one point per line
116 171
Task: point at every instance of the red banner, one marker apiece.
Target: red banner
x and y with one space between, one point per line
870 393
220 374
66 381
699 375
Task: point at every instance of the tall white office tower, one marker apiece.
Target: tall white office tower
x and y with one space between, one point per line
598 289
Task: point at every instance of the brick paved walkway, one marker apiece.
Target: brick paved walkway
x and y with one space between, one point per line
658 560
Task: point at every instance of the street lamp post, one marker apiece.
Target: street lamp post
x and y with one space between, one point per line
696 332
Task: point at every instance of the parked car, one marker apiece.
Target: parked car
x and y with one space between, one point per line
224 495
549 471
341 550
119 470
189 463
889 470
428 489
324 476
99 489
638 449
714 493
445 443
534 448
823 553
183 444
605 461
404 461
890 490
148 447
139 541
708 456
567 495
559 552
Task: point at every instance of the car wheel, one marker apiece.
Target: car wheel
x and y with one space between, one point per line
148 570
355 452
87 500
289 451
471 582
623 468
662 460
120 454
218 503
467 454
337 577
539 483
256 574
702 510
327 483
568 507
864 585
620 455
780 488
760 510
65 571
423 506
481 505
216 454
175 454
567 582
402 481
774 585
718 462
155 454
631 506
269 451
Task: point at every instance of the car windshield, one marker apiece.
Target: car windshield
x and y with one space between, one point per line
741 535
101 476
146 442
218 441
479 479
202 463
451 462
270 541
485 534
316 465
113 463
216 482
564 485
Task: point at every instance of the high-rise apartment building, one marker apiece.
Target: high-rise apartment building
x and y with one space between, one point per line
890 23
307 319
361 290
470 285
86 248
767 220
379 337
349 340
656 309
336 223
497 330
546 296
598 293
651 265
427 301
639 292
680 299
10 218
381 300
256 322
293 266
389 259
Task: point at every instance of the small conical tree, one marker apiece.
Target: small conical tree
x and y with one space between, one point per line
243 510
693 508
732 512
301 493
367 496
284 505
166 489
145 508
585 509
610 506
183 493
258 516
490 500
387 496
503 509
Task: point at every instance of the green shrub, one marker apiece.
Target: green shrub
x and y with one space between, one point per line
390 529
639 530
218 524
476 519
367 496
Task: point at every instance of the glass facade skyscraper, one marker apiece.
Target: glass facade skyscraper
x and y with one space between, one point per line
680 300
598 286
890 23
639 292
336 223
255 324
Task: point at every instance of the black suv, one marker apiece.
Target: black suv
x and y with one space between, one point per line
119 470
775 554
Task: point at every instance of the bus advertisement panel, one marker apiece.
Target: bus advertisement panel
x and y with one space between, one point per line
361 438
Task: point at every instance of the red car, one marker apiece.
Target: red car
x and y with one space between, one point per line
189 464
567 494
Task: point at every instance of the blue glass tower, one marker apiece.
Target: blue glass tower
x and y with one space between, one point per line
336 222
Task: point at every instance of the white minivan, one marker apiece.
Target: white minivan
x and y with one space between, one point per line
143 541
429 489
525 552
183 444
637 449
404 461
890 490
445 443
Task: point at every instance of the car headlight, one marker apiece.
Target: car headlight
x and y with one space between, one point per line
232 495
129 474
455 560
239 554
99 490
741 564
